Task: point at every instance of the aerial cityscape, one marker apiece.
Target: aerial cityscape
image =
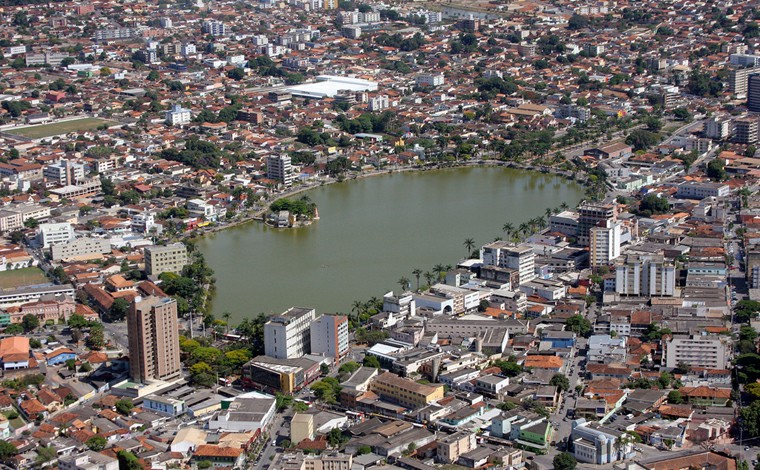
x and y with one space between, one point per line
380 235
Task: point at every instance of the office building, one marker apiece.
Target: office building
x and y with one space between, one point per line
593 215
508 255
288 335
54 234
699 190
753 93
704 351
605 244
746 130
64 172
153 334
280 169
596 444
645 276
80 248
88 460
329 336
165 259
280 375
178 116
407 393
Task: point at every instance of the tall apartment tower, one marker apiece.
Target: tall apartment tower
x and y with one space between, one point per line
753 93
593 215
288 335
746 130
279 168
153 339
737 80
506 255
604 244
329 336
165 259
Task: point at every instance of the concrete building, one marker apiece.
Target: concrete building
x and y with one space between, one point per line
696 351
746 130
508 255
64 172
450 447
54 234
248 412
407 393
112 34
80 248
288 335
744 60
597 444
279 168
329 336
165 259
178 116
214 28
301 427
753 93
645 276
699 190
593 215
605 243
737 80
429 79
153 334
718 128
88 460
566 222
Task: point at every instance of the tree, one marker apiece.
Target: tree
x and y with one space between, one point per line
128 461
14 329
564 461
31 223
96 443
371 361
560 381
236 73
282 401
362 450
118 310
30 322
336 438
716 170
348 368
124 406
510 368
96 339
578 324
327 389
404 283
46 454
751 418
675 397
653 204
7 451
641 139
469 243
153 76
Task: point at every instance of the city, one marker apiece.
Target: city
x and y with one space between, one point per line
611 322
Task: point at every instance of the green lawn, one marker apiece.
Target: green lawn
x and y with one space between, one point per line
47 130
22 277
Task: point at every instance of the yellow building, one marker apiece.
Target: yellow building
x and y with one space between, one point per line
301 427
405 392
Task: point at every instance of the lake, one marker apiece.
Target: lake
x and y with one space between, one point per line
372 232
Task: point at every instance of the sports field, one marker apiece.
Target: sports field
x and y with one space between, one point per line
22 277
57 128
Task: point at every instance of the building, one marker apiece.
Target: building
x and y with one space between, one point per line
112 34
301 427
597 444
153 334
450 448
746 130
14 353
407 393
605 243
704 351
178 116
329 336
508 255
214 28
165 259
64 172
54 234
88 460
566 223
718 128
593 215
48 58
699 190
80 248
280 375
753 93
279 168
737 80
429 79
744 60
288 335
645 276
248 412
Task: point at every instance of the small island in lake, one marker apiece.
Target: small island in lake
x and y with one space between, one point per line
285 213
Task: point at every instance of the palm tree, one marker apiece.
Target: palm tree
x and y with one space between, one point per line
429 276
227 316
357 307
548 212
417 273
403 282
469 243
508 229
524 229
438 268
541 222
564 206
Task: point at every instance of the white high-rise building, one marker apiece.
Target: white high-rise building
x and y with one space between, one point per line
706 351
279 168
605 244
55 234
288 335
329 336
645 276
506 255
214 28
188 49
178 116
